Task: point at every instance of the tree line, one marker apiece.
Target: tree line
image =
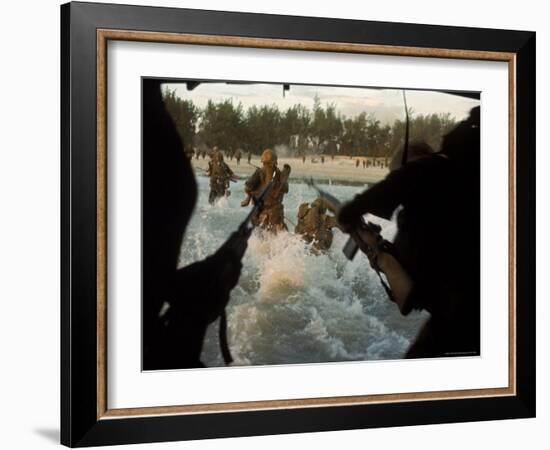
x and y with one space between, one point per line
301 130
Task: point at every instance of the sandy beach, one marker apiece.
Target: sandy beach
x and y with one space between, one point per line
341 170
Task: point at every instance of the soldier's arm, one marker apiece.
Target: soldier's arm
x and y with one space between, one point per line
384 197
229 172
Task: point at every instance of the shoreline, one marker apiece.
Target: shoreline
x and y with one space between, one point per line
341 170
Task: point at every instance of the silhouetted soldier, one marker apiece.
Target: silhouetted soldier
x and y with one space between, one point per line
176 307
436 263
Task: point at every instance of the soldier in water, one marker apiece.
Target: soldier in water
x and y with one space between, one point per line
272 217
315 225
220 175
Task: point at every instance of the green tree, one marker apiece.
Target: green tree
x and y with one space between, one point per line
263 128
185 116
326 123
226 125
222 124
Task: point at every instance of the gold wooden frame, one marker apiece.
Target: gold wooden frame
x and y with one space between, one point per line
103 36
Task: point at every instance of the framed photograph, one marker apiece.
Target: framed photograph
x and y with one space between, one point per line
278 224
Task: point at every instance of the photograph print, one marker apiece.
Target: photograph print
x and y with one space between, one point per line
285 223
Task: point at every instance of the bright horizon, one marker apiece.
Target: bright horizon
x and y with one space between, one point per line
385 105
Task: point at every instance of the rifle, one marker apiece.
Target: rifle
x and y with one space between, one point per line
355 242
237 242
284 177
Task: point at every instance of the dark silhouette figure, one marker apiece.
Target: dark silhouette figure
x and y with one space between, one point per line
177 307
438 240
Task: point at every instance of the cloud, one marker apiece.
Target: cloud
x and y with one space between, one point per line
385 104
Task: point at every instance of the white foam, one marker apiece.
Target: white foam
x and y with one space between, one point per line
292 306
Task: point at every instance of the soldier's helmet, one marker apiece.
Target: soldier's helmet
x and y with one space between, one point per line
269 157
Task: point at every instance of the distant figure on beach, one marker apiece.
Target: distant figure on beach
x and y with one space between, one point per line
249 157
272 216
356 163
303 159
220 175
315 225
435 262
322 159
238 156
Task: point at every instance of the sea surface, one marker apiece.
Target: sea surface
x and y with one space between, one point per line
291 305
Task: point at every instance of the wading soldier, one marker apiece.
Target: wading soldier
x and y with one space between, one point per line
315 225
220 175
272 216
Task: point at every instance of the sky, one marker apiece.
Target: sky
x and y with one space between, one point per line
386 104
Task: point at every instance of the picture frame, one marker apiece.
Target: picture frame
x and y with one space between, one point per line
86 418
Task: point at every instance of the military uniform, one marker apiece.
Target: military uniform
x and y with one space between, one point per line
315 225
220 174
272 216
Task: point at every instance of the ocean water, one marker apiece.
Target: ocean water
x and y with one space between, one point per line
290 305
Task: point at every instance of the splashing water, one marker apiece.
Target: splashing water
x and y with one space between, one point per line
290 305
